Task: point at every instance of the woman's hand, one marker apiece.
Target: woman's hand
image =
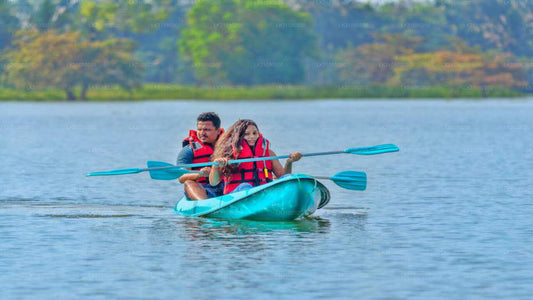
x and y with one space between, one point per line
215 176
294 157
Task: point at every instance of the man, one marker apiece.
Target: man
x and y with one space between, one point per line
197 148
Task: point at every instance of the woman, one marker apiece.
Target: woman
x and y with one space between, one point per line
243 140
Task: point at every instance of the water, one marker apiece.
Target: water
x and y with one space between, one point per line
448 217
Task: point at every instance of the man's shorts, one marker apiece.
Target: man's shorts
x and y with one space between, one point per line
212 191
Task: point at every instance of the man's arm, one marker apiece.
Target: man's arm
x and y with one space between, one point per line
194 176
185 157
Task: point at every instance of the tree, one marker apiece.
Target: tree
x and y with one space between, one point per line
340 24
108 62
492 24
247 42
415 19
8 24
374 63
108 18
65 61
459 68
54 15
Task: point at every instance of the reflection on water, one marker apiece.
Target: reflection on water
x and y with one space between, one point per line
224 228
47 209
81 216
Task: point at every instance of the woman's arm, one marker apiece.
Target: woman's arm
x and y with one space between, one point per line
295 156
215 176
278 169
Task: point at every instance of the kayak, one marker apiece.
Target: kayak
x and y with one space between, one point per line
291 197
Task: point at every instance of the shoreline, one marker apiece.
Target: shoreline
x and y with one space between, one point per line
271 92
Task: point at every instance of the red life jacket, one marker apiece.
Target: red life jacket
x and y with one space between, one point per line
201 154
257 172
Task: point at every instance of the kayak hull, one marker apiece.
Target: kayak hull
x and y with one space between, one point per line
291 197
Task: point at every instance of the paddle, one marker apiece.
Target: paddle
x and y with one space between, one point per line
352 180
158 170
166 173
379 149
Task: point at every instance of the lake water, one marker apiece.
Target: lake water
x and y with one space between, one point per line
450 216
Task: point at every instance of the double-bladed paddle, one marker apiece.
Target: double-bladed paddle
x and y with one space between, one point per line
379 149
352 180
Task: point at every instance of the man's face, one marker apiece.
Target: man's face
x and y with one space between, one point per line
207 133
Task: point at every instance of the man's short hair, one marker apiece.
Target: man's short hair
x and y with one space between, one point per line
209 116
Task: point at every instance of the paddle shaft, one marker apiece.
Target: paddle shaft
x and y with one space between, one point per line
385 148
238 161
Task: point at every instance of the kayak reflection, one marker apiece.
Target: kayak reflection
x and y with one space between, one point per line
199 228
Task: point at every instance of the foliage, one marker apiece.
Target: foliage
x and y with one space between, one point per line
247 42
64 61
53 15
457 68
416 19
273 92
106 18
450 43
374 63
8 23
492 24
340 24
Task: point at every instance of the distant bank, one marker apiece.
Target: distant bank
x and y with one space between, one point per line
168 91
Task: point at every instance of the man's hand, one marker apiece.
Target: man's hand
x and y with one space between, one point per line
205 172
222 162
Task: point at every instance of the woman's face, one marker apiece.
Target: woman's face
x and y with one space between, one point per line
251 135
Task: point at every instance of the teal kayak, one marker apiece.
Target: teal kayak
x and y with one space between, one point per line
288 198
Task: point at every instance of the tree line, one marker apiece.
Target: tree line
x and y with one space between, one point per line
75 45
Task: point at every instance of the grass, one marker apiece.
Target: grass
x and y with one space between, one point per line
171 91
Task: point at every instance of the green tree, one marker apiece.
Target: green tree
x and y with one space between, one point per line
53 15
247 42
374 63
492 24
108 62
415 19
459 68
341 24
8 23
65 61
108 18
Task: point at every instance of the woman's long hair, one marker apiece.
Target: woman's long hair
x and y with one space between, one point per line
229 144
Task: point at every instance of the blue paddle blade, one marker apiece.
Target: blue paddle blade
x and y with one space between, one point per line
166 174
352 180
385 148
116 172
